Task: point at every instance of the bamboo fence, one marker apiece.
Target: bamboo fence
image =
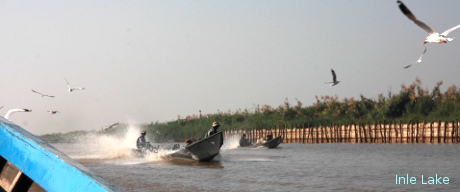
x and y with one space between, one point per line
376 132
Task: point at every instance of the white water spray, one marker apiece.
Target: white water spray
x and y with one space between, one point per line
108 147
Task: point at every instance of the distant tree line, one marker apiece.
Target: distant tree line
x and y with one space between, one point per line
411 103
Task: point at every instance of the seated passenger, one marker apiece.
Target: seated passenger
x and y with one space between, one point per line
244 141
269 137
188 142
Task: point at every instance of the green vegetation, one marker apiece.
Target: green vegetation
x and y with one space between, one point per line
412 102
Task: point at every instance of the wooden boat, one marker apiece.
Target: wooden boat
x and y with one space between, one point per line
202 150
272 143
28 163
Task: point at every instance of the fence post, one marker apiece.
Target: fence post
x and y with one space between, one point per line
375 132
445 131
431 132
423 131
389 132
349 133
339 132
408 131
395 127
356 133
456 131
365 132
439 131
315 133
334 133
412 132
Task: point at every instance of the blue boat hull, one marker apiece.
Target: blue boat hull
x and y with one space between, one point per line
35 165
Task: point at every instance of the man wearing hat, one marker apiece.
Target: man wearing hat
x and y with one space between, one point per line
213 130
141 140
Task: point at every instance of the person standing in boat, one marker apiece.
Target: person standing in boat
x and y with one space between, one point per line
213 130
141 143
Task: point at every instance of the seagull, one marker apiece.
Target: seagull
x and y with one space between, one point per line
14 111
334 79
434 37
75 88
43 95
53 112
418 61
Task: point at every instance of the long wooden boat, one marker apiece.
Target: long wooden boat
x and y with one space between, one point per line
272 143
202 150
27 163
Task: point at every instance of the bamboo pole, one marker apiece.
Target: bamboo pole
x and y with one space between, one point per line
456 131
423 131
316 133
445 131
389 132
417 132
431 132
349 133
371 132
439 131
395 126
412 132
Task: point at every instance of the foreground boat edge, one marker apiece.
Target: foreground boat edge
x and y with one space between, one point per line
44 165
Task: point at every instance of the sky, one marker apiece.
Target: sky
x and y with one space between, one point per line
146 61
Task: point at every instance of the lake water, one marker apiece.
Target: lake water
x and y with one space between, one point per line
290 167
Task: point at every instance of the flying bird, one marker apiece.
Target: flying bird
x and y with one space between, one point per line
433 37
53 112
14 111
334 79
418 61
43 95
75 88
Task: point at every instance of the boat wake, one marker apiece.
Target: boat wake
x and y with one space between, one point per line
102 148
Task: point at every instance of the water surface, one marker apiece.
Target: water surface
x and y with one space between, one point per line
290 167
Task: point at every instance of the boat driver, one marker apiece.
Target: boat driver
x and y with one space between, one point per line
141 143
213 130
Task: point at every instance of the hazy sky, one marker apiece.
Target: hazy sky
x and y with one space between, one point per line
147 61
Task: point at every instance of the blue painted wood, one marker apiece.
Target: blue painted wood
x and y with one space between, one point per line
44 164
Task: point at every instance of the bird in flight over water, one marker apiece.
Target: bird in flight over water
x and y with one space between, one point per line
53 112
433 37
43 95
418 61
7 116
75 88
334 79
